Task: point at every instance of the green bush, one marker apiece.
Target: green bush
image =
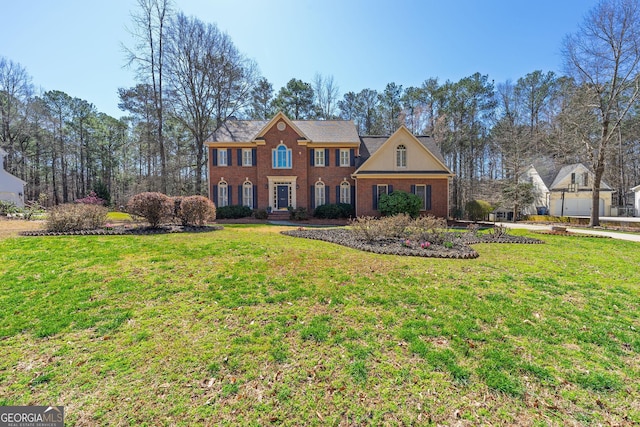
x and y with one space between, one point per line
478 210
152 206
233 212
261 214
196 210
76 217
334 211
399 202
298 214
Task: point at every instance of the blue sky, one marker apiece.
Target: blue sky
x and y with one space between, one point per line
76 45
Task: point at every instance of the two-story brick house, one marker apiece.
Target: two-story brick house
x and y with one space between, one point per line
282 163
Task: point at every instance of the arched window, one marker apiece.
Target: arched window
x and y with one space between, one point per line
401 156
223 194
345 192
320 194
281 157
247 194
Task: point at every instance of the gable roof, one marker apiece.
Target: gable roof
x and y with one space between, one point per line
319 131
567 170
372 145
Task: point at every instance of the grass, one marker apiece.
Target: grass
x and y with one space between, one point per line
247 326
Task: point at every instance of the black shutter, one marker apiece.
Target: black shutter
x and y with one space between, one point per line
215 194
229 158
353 196
427 197
389 189
337 194
326 157
352 154
240 199
312 157
312 196
214 157
413 189
230 195
255 196
254 156
327 194
239 156
337 157
375 197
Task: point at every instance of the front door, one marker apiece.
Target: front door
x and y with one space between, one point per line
283 197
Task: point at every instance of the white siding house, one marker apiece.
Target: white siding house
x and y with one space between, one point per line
11 187
571 193
636 200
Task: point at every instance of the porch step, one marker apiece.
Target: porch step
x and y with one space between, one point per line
279 216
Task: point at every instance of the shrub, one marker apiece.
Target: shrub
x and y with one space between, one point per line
298 214
76 217
196 210
154 207
478 210
371 228
261 214
334 211
399 202
233 212
7 208
427 228
92 199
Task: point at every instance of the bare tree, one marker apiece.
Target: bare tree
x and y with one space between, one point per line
326 96
15 91
150 33
209 79
603 56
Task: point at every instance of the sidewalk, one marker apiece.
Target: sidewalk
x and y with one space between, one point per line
545 227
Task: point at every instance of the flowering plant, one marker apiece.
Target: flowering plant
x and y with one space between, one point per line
425 245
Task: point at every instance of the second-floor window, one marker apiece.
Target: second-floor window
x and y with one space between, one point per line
281 157
345 158
319 157
247 157
222 157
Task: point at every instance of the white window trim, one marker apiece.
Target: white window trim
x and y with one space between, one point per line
401 156
247 157
320 194
319 158
247 194
223 196
345 192
345 160
288 157
222 157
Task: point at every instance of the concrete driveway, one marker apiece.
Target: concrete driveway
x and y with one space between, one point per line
596 232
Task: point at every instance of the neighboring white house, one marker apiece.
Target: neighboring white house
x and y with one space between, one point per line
571 192
636 200
540 204
11 187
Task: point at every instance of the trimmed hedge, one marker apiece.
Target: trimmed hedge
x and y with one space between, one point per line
76 217
334 211
233 212
152 206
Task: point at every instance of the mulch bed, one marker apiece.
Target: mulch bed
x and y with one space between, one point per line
459 248
123 230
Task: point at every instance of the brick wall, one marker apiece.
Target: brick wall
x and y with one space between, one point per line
439 194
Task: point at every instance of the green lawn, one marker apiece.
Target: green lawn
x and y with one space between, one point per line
245 326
